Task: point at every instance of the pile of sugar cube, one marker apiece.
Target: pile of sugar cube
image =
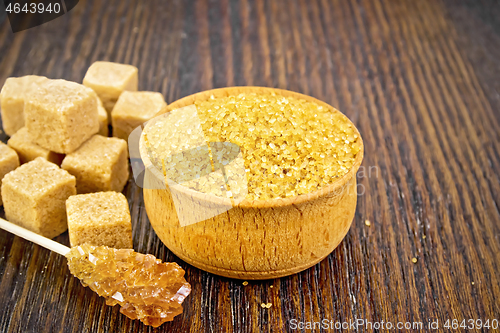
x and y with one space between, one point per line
71 172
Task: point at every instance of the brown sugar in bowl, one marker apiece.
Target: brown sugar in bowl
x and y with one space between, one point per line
258 239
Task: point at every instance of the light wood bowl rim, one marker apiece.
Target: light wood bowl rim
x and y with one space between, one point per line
269 203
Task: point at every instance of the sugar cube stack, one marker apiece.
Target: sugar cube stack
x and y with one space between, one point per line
60 115
8 162
133 109
58 122
101 218
28 151
100 164
34 197
109 80
14 93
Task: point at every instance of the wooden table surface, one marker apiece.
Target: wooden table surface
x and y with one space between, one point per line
421 81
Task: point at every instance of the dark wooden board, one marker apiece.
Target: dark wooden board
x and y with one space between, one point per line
420 79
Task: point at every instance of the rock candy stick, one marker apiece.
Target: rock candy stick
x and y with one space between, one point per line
144 287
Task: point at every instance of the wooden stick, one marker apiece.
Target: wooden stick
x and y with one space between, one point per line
34 237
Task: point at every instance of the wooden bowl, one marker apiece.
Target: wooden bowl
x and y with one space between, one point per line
259 239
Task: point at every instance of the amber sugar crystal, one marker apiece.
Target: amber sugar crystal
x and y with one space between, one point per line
144 287
290 146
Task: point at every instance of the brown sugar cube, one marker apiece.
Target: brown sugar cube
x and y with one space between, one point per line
101 218
28 151
109 80
12 99
8 162
133 109
60 115
34 197
100 164
103 118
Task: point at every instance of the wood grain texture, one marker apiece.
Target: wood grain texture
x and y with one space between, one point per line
419 79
